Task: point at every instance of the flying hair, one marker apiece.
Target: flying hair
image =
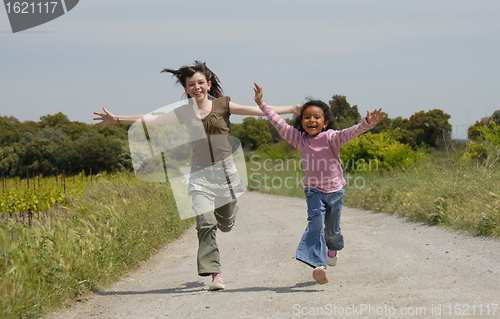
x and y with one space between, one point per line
187 71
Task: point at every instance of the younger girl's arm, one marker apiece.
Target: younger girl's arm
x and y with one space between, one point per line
288 132
348 134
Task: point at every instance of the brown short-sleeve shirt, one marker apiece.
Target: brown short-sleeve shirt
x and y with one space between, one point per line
210 136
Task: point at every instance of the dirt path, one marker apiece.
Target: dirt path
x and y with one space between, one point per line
389 268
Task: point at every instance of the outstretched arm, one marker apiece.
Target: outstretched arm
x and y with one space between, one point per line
252 110
346 135
107 118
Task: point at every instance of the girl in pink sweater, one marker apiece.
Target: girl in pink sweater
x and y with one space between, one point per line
319 145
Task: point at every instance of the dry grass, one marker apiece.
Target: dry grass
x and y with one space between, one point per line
455 194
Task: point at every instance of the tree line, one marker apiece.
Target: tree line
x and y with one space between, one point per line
55 144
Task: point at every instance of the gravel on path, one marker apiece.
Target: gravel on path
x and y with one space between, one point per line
389 268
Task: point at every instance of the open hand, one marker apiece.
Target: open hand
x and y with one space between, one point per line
258 94
375 117
106 118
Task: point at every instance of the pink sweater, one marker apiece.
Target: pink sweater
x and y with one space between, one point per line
320 154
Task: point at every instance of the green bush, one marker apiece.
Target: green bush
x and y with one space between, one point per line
372 152
486 149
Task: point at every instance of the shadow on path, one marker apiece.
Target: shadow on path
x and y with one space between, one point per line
192 287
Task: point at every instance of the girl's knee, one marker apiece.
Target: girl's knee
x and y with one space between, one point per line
225 228
316 223
225 224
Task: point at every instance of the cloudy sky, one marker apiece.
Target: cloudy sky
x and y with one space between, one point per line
401 56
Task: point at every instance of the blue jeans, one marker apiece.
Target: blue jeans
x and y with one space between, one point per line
323 228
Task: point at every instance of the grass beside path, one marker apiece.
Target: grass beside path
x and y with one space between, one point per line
439 191
85 246
463 196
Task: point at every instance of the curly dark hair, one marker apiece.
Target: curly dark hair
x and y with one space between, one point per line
187 71
326 110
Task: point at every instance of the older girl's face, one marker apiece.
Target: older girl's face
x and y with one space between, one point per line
313 120
198 87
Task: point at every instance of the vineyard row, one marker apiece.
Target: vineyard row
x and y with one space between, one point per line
37 194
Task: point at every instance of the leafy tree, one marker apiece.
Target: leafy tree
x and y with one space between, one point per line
54 120
38 158
486 148
68 157
253 132
432 127
496 117
8 119
85 136
100 153
96 152
343 114
424 128
490 134
55 135
27 138
9 160
12 130
125 159
93 150
120 131
474 131
75 129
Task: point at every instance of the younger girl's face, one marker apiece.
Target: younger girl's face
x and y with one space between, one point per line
313 120
198 87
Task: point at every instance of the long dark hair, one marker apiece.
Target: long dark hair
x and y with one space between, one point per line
187 71
326 110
